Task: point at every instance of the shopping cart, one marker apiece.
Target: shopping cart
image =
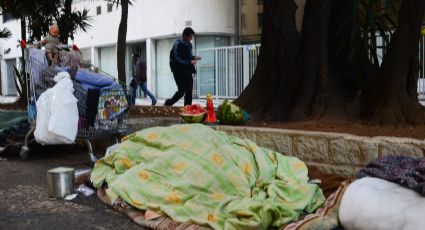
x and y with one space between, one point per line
111 110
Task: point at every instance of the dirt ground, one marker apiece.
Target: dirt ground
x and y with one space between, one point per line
356 128
360 129
14 106
24 201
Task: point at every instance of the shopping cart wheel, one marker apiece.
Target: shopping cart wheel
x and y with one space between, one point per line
23 154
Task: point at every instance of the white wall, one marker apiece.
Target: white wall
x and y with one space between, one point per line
6 44
148 20
15 27
157 19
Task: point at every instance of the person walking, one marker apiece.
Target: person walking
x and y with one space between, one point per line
140 79
182 64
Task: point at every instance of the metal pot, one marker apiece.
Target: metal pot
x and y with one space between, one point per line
60 182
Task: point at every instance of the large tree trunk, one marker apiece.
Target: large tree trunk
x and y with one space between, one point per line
66 26
272 90
24 97
122 37
282 87
392 96
310 75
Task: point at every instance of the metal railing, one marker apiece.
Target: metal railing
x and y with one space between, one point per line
421 81
226 71
381 50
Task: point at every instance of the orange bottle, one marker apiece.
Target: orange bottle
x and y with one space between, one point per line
211 118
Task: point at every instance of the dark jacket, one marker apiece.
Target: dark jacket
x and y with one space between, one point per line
140 71
181 56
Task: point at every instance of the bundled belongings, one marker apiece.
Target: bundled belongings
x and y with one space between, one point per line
57 113
372 203
93 105
102 97
192 173
406 171
388 195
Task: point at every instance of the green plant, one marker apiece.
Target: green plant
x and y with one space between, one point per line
374 19
5 33
370 20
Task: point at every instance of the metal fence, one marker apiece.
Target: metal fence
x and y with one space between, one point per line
225 72
421 81
381 49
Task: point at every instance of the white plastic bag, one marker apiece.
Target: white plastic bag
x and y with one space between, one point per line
57 113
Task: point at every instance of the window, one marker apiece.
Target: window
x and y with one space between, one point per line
110 5
243 23
98 10
260 20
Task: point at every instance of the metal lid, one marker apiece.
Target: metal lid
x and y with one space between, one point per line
61 170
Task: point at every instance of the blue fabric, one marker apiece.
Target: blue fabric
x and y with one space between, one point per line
32 111
37 62
91 80
95 80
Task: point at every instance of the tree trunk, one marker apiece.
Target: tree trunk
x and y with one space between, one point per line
66 27
311 75
272 90
122 37
282 88
397 102
23 98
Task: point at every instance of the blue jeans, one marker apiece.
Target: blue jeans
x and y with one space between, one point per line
144 89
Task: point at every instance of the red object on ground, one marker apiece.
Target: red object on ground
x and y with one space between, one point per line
193 109
23 43
211 118
75 47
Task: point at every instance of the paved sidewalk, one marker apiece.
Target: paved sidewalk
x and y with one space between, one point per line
24 201
7 99
180 103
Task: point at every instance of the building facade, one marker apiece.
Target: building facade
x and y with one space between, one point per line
153 26
251 21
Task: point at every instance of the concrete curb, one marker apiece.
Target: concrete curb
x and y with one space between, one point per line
339 153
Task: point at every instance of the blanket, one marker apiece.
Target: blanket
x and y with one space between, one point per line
406 171
38 62
91 80
193 173
325 217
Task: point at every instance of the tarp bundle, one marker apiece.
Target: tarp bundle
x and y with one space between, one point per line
57 113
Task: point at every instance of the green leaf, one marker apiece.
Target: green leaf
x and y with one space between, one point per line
5 33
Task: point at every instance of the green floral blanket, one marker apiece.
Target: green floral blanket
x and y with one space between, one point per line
193 173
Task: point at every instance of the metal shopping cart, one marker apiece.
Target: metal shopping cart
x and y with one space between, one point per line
110 112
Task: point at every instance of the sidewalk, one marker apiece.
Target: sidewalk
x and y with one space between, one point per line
7 99
180 103
140 102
